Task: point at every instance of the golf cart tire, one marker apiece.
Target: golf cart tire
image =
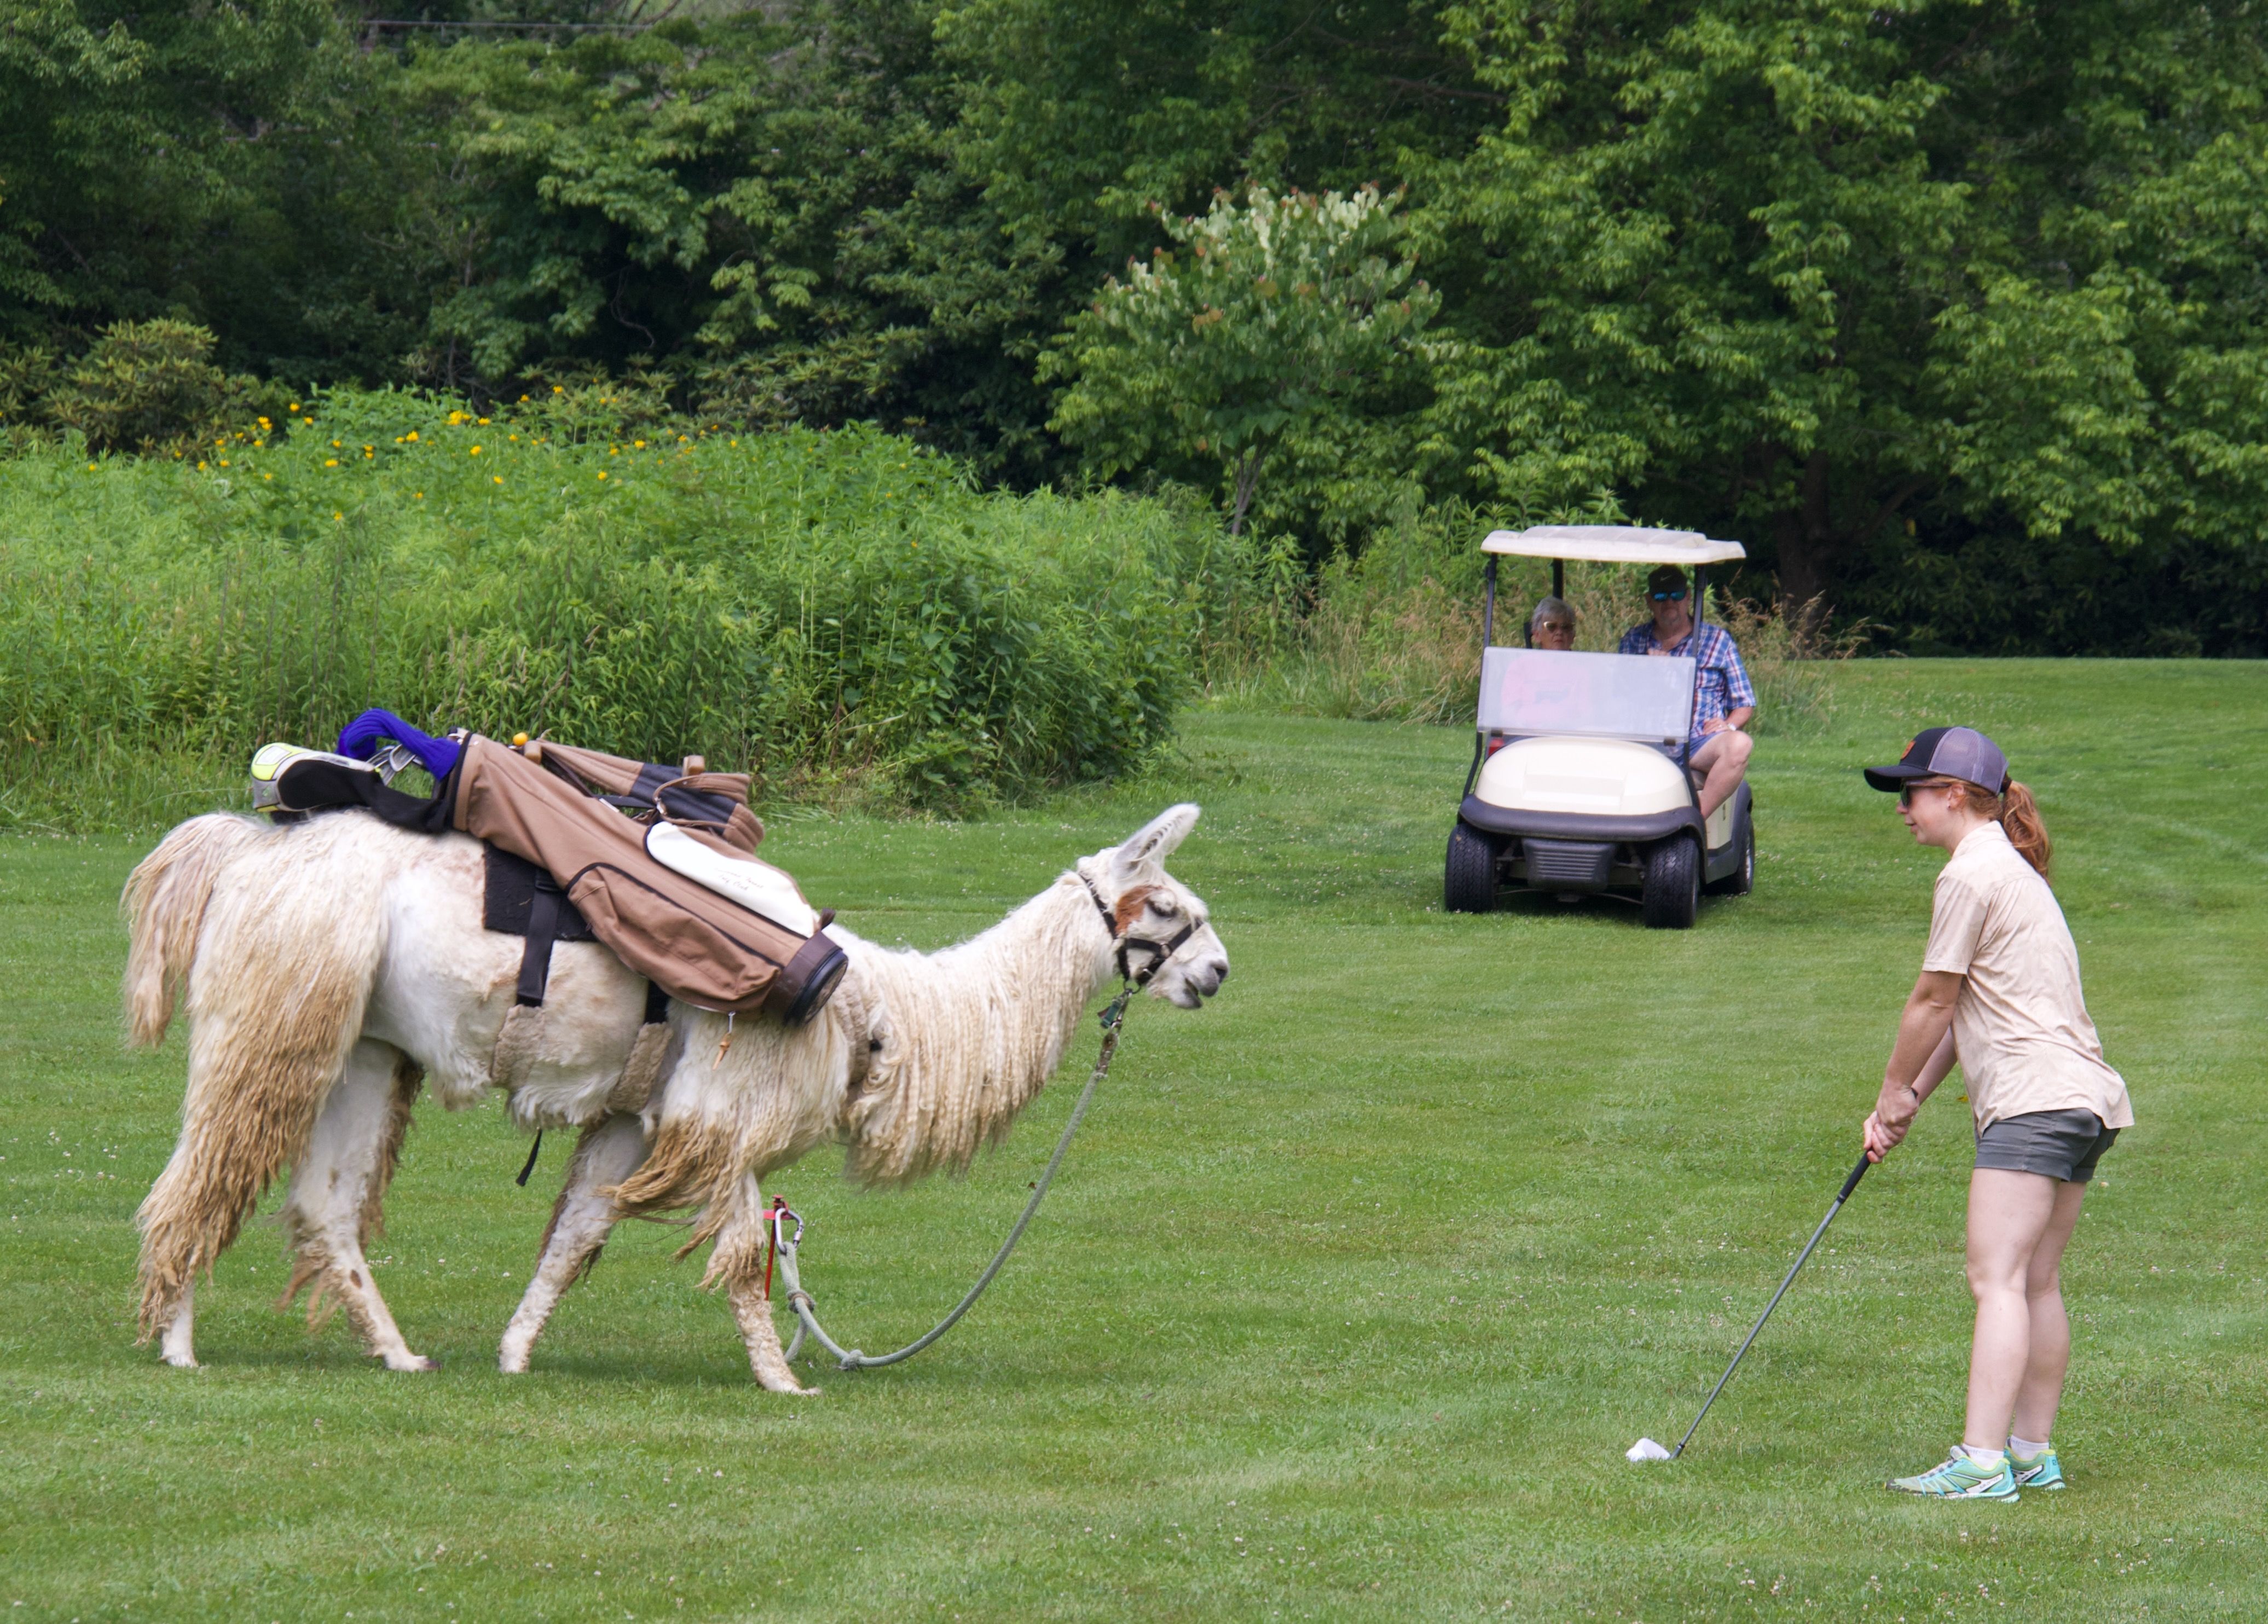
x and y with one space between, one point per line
1743 879
1469 878
1672 893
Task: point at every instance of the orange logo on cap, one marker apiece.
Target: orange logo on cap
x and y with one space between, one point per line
1909 748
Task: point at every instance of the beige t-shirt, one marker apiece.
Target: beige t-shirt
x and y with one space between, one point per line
2020 1024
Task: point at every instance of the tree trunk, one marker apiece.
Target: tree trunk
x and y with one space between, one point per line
1805 538
1248 476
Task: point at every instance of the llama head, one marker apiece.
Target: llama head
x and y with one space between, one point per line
1151 906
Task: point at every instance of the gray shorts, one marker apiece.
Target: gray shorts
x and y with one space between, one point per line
2059 1144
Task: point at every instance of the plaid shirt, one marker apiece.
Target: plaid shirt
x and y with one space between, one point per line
1723 684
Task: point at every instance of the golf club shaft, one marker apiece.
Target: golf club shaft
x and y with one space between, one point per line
1849 1185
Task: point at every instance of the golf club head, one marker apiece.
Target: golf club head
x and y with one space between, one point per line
1646 1448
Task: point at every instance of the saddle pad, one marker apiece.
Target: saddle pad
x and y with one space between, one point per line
509 895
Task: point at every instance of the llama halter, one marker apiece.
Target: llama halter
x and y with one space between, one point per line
1161 952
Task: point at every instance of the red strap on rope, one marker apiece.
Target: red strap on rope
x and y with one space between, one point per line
771 1240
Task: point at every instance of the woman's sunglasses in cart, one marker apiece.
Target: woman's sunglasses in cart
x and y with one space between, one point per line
1906 794
1677 596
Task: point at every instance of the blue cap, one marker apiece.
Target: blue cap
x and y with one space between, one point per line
1960 753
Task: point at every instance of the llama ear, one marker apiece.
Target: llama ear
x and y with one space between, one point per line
1155 840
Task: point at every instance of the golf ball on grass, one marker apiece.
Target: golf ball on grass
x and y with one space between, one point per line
1645 1449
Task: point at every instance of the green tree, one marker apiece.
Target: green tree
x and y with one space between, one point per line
178 160
1266 317
1823 268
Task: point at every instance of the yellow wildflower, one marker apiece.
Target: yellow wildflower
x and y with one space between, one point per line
476 451
330 462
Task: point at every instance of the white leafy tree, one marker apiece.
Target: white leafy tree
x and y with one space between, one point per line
1263 315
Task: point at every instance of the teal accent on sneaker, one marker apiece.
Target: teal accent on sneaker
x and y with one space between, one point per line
2041 1471
1959 1478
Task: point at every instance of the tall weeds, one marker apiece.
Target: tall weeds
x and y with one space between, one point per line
842 613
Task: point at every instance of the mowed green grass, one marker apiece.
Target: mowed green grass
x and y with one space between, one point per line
1350 1297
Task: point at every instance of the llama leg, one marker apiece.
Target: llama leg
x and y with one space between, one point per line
580 1223
179 1344
739 1263
334 1198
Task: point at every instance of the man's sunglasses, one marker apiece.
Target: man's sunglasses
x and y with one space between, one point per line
1670 597
1906 792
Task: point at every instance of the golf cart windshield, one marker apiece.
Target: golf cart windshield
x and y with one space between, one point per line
1527 691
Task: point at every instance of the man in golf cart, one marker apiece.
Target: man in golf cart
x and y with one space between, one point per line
1723 700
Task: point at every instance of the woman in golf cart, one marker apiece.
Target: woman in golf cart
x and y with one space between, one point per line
1724 699
1999 991
1552 625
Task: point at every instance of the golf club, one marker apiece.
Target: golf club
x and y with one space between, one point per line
1646 1448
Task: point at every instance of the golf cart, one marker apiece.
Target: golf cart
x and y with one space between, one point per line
1582 781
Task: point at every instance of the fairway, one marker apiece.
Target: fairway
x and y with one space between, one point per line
1350 1295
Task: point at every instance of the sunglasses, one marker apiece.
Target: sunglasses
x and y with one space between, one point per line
1906 793
1555 625
1669 597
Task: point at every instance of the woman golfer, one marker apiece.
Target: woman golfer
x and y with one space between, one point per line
1999 992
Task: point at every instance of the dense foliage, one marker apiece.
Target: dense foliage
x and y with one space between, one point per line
1953 311
844 614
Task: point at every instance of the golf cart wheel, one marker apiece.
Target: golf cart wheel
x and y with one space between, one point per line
1468 881
1743 879
1672 894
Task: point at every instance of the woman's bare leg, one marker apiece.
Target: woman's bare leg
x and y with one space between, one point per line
2050 1348
2009 1214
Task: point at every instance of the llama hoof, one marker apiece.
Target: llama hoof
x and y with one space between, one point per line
512 1363
782 1381
183 1361
410 1361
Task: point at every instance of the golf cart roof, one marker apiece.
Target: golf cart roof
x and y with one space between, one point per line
1612 544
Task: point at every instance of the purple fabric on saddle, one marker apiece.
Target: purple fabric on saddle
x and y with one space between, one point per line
361 737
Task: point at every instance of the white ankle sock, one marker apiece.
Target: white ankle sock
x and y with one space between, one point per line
2027 1448
1986 1459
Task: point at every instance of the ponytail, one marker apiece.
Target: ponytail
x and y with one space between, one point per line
2019 816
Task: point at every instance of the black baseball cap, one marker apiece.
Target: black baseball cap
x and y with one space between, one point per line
1960 753
1666 578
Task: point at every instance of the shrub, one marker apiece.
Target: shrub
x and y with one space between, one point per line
149 386
842 613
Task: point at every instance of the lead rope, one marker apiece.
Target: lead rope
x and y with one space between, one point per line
783 1246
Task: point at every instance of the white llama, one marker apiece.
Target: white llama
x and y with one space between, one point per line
332 967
